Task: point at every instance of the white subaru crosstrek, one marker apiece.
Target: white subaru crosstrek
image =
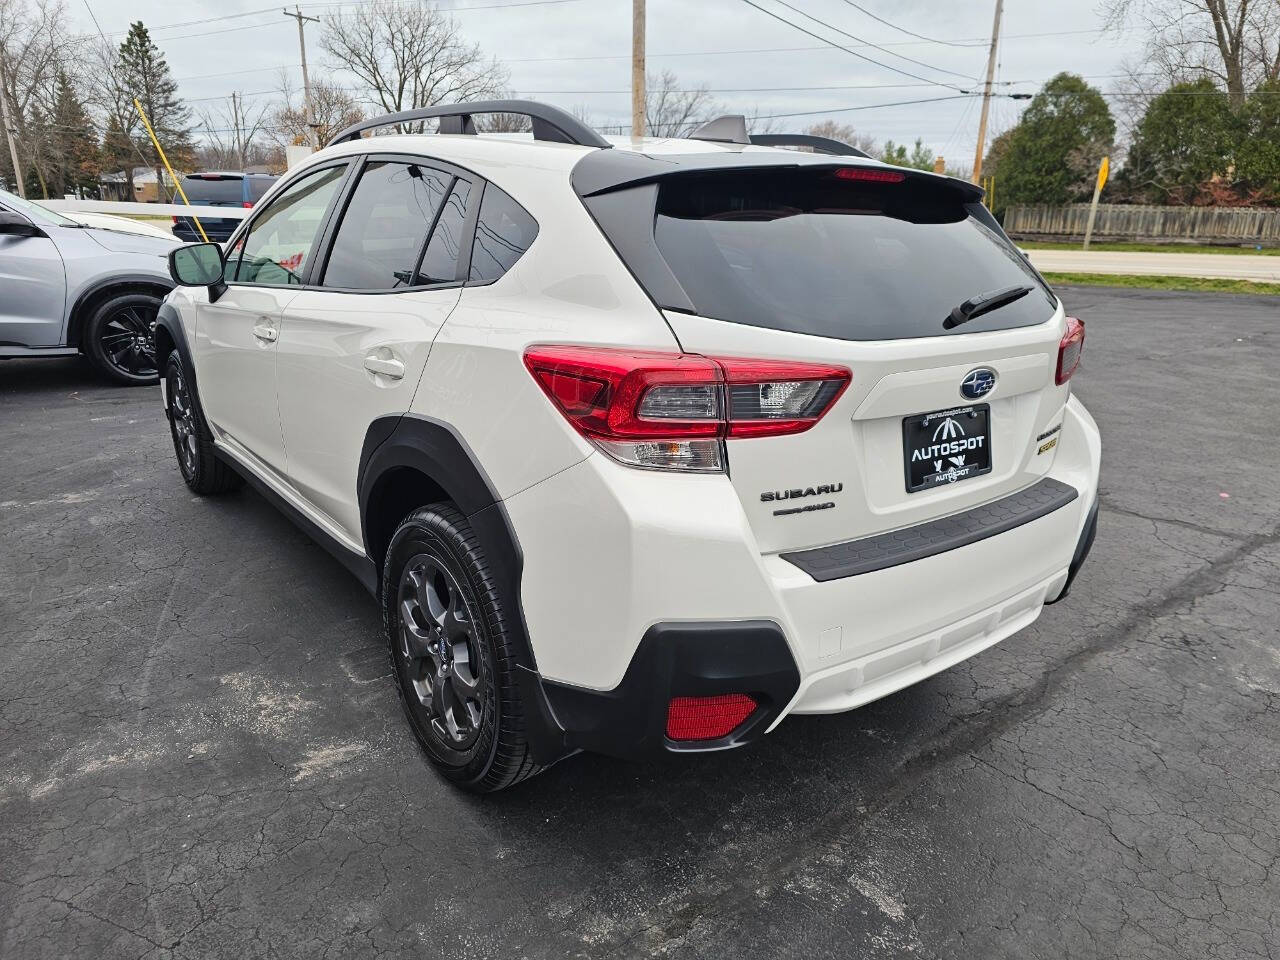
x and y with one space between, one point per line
642 445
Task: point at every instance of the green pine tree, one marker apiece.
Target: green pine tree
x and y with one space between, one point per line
72 142
118 154
144 74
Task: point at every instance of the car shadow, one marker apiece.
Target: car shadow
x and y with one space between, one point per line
32 377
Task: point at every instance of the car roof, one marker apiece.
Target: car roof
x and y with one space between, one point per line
227 174
488 154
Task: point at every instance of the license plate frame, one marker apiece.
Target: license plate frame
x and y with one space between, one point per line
957 442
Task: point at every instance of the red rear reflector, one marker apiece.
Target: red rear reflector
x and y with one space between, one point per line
247 205
870 174
707 718
1070 348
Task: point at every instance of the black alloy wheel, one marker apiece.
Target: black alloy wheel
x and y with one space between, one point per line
202 470
443 657
120 339
182 422
452 651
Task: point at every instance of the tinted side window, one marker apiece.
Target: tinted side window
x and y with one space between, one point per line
440 265
282 237
384 227
504 232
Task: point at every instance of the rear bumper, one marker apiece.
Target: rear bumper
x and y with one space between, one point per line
674 660
614 557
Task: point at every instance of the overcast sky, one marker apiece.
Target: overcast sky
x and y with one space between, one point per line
578 52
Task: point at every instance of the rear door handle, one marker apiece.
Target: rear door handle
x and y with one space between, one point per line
388 368
264 331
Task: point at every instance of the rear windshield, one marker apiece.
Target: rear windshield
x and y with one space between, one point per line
810 252
209 190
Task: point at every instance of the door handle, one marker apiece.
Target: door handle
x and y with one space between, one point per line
264 331
388 368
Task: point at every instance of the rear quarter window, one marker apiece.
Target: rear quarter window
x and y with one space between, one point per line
504 232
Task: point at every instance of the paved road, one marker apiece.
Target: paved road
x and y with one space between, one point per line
1233 266
201 755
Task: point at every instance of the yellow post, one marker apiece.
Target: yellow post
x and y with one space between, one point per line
160 152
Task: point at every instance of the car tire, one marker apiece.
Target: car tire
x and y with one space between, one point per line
452 655
201 468
119 339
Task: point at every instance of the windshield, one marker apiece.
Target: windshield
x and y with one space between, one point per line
822 252
34 212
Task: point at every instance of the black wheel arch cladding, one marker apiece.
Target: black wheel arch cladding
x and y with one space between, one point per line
434 450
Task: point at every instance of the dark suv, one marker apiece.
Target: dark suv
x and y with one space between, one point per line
219 190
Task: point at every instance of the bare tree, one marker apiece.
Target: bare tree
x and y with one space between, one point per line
233 134
110 96
1234 42
35 47
673 111
409 54
504 122
332 109
845 133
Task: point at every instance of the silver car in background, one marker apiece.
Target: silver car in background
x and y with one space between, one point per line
68 288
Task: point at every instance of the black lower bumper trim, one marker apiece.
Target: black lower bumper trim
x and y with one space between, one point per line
1083 546
855 557
680 659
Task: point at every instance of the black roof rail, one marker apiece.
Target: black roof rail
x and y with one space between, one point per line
819 144
549 123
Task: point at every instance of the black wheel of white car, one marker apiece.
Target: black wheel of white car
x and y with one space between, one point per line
451 653
203 472
119 339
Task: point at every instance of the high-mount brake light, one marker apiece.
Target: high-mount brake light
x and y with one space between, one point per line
870 175
1070 348
672 411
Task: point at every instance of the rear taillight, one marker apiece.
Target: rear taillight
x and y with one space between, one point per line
1070 347
707 718
672 411
247 205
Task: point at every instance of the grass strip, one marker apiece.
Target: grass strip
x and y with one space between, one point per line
1204 284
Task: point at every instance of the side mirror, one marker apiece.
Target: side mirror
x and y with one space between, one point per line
198 265
14 224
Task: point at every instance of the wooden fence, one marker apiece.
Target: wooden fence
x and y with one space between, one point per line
1237 225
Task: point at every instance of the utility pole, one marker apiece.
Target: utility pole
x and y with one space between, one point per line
986 94
637 68
306 79
8 132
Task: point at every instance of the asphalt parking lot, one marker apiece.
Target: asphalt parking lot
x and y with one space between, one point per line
201 754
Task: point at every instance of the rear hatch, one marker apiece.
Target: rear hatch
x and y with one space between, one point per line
214 190
861 267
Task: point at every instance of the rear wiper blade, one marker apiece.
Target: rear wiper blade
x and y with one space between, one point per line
985 303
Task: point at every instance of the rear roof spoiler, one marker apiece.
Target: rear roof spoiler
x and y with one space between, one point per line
549 123
732 128
818 144
604 171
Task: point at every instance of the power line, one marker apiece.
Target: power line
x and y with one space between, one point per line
845 33
909 33
338 3
832 43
